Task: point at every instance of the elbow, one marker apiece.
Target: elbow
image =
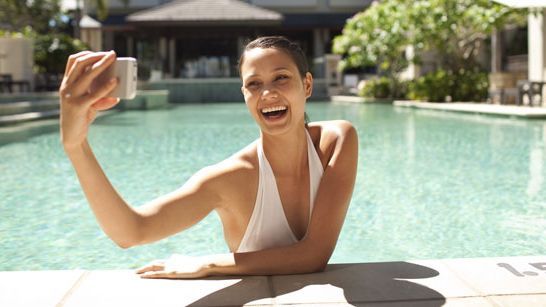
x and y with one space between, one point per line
316 256
130 237
124 244
128 241
318 266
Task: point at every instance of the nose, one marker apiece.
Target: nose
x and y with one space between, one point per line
269 93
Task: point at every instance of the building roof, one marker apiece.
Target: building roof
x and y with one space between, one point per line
316 20
86 22
205 12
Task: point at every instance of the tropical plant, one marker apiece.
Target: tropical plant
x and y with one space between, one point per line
101 7
444 85
39 15
51 51
376 36
453 29
381 88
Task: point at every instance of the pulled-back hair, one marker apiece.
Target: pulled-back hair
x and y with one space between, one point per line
281 43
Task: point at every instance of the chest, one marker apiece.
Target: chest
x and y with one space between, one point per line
295 199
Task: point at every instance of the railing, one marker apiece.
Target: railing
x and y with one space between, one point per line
7 84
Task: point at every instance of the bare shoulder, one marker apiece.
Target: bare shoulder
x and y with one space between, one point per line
334 129
333 136
229 177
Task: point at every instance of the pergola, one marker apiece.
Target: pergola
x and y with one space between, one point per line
531 91
536 36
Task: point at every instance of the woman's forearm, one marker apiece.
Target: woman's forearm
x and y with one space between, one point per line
118 220
293 259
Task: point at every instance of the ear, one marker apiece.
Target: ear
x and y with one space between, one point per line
308 84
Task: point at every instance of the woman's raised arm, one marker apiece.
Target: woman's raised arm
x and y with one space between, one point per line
125 225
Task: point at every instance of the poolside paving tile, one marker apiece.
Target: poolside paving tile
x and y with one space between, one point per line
505 275
371 282
519 300
446 282
36 288
450 302
125 288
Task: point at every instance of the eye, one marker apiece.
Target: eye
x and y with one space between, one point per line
252 84
281 77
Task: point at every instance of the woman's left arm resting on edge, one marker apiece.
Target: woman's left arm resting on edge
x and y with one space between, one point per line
312 253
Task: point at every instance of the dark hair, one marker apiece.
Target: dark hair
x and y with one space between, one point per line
282 43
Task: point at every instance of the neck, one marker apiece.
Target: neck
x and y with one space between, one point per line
287 153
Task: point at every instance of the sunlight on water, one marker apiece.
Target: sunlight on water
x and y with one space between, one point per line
430 184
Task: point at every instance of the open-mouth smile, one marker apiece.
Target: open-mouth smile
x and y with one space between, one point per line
274 112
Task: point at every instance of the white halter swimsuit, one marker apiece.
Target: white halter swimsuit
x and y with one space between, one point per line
268 226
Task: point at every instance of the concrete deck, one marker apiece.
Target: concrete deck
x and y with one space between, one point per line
481 108
508 281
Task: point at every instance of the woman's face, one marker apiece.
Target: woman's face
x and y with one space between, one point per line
274 91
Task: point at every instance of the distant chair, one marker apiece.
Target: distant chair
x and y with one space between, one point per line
503 89
530 93
47 82
6 83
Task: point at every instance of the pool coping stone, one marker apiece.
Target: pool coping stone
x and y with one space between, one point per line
502 281
480 108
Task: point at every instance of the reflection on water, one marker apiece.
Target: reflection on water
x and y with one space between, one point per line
536 161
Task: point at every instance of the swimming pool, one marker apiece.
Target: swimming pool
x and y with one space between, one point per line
430 184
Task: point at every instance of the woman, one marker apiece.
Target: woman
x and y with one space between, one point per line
282 200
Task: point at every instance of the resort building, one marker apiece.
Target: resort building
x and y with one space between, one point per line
203 39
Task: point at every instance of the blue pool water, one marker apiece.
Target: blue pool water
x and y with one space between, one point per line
430 184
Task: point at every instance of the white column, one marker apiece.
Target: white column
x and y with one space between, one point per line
496 51
412 71
537 45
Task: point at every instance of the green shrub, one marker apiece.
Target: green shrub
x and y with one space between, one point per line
442 85
471 86
51 51
383 88
376 88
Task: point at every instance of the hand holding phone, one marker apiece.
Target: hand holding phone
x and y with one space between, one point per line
125 69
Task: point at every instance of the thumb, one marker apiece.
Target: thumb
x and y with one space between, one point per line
105 103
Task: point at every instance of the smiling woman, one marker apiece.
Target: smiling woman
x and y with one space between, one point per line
282 199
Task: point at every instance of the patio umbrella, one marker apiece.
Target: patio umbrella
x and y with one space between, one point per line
523 3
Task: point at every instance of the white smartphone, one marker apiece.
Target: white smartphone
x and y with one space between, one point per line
125 69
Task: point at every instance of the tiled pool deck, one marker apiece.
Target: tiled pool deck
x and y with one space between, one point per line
508 281
481 108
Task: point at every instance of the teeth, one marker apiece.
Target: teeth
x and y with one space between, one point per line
273 109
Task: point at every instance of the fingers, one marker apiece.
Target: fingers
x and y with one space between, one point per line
97 68
156 269
73 58
157 265
160 274
81 64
